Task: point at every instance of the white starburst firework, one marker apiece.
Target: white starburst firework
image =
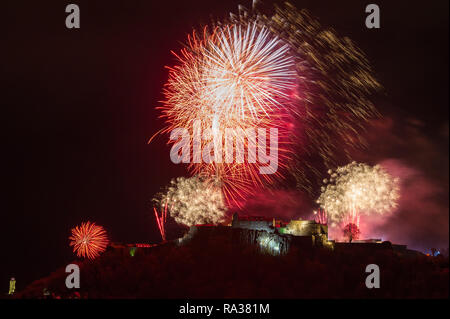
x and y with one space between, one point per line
194 201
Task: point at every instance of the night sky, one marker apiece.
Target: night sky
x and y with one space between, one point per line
78 107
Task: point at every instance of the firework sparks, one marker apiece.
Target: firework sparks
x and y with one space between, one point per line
88 240
351 217
282 71
194 201
320 216
248 70
161 220
333 104
356 189
351 231
239 76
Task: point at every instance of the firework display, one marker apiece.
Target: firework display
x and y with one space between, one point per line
281 71
238 77
358 188
194 201
88 240
352 217
237 72
333 104
258 149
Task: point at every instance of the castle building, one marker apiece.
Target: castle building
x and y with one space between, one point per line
276 237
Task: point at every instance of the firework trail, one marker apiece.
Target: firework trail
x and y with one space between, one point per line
88 240
355 189
161 221
194 201
320 216
281 71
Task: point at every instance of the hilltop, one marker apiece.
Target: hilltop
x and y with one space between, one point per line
215 268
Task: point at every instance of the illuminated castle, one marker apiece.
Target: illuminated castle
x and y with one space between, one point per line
277 237
268 235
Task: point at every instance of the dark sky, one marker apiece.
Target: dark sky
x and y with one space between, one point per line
78 107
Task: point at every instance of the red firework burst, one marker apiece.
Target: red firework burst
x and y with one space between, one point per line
228 83
88 240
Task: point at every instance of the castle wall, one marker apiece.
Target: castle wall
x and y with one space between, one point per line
254 225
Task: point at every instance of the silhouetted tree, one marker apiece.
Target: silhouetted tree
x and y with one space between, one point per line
351 231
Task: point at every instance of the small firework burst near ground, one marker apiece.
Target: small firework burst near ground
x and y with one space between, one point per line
89 240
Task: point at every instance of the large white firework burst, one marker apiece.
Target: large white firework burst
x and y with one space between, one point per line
358 187
194 200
